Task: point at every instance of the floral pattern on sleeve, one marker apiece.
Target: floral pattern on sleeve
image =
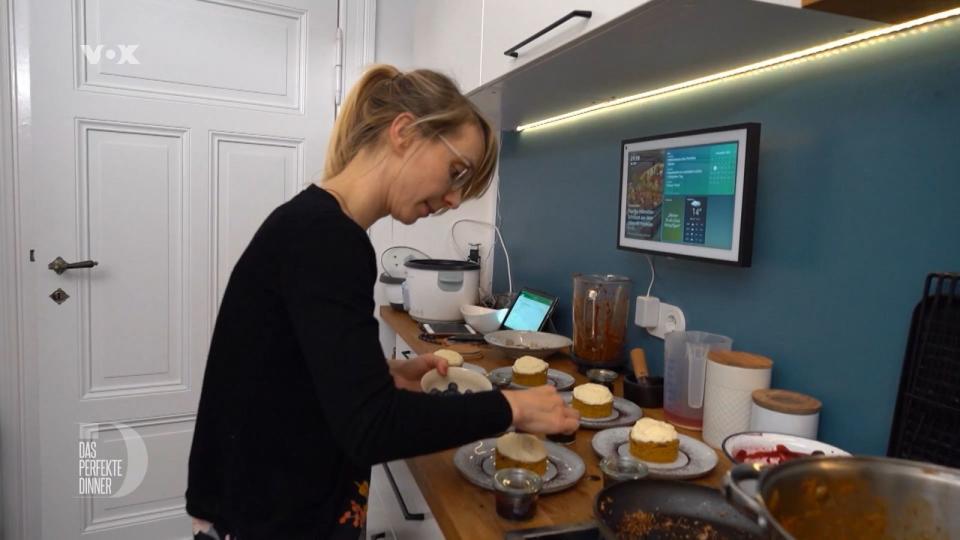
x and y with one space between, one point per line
357 512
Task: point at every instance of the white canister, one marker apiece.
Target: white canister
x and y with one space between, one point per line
731 378
783 411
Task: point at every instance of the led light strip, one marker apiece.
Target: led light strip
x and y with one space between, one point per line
819 51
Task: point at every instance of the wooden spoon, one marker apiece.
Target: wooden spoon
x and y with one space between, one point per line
639 360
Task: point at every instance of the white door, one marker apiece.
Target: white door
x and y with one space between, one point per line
163 133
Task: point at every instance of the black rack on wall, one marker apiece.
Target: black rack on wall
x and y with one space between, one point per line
926 423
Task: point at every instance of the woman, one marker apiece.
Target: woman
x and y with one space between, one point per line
298 401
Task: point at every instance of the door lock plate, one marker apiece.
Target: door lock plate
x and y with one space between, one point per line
59 296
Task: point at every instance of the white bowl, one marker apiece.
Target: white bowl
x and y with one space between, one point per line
753 441
466 379
483 319
517 343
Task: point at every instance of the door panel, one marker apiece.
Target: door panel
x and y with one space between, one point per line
201 63
132 216
252 175
160 495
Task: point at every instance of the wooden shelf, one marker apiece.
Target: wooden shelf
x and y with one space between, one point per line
659 43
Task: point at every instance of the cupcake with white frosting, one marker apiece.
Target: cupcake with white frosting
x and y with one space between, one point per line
593 400
453 358
653 440
521 450
530 371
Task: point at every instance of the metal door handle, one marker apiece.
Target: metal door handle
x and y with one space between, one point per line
60 266
407 514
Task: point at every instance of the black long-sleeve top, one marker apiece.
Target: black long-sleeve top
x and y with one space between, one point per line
297 400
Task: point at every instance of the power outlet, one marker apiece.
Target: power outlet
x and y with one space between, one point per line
671 319
648 312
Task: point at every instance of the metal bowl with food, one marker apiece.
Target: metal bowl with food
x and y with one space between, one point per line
774 448
517 343
854 498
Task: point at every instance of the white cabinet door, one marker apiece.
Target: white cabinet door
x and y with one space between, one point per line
385 518
404 350
509 22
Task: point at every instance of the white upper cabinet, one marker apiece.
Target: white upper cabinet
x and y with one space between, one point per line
507 23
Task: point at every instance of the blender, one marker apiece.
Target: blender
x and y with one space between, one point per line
601 306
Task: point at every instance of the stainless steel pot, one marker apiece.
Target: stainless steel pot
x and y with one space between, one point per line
851 498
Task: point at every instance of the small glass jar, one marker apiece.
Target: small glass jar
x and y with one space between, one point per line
516 491
500 379
618 469
605 377
563 438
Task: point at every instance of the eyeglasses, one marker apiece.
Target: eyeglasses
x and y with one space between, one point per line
457 182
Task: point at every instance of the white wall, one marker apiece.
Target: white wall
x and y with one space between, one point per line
395 26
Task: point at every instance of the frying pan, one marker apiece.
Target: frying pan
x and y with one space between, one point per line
670 510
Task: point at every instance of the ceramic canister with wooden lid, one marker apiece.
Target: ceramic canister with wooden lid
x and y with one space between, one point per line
731 378
783 411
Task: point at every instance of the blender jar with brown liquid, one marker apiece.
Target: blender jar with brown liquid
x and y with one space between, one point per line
601 306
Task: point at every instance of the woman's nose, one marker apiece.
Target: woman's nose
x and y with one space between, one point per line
453 199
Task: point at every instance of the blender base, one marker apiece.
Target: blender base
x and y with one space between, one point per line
619 365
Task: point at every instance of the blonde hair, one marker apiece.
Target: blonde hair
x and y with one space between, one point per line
382 93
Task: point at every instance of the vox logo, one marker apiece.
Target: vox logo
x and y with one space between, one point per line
119 54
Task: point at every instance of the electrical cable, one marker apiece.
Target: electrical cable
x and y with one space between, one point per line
653 275
503 245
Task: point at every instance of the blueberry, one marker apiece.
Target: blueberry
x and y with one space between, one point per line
468 391
452 386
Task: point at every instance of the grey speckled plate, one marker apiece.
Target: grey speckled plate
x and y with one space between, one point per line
475 461
625 413
555 377
694 460
474 367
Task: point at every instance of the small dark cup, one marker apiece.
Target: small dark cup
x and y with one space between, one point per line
647 393
563 438
516 492
605 377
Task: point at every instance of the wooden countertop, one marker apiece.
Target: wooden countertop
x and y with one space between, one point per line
463 510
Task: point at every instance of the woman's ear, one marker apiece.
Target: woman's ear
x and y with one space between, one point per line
401 133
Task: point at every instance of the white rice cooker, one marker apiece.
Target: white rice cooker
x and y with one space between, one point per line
395 274
438 287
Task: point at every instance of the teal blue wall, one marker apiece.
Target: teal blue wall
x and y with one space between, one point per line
859 198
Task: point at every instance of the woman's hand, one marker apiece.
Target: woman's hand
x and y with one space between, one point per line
541 410
407 373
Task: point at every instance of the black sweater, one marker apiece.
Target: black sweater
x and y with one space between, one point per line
297 400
